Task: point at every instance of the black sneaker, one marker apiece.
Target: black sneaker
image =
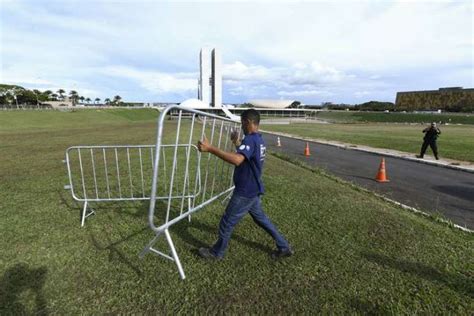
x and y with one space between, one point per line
207 254
282 253
419 156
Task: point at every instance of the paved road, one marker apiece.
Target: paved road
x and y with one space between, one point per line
429 188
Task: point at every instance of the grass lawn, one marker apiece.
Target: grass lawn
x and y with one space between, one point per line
455 142
354 252
395 117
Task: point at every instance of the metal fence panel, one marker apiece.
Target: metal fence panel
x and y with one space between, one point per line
172 172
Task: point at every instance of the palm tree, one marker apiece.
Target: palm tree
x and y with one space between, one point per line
74 96
117 99
97 100
47 94
9 97
54 96
37 94
16 100
88 100
82 99
107 101
60 92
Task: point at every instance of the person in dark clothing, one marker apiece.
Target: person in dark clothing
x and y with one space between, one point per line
431 135
248 160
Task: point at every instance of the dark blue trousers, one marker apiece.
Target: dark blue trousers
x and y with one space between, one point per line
236 209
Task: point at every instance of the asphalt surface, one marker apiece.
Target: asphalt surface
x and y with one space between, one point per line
431 189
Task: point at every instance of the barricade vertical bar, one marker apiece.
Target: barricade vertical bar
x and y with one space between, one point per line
82 174
229 175
199 163
216 159
208 161
106 173
118 173
93 172
83 189
165 178
188 153
141 171
69 172
130 172
174 166
229 126
189 191
151 155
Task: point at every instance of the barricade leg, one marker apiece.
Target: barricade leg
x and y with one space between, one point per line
85 214
149 246
174 255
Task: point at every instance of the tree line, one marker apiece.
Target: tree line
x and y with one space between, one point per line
367 106
18 96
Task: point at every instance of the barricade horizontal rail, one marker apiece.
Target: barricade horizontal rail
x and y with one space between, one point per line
118 173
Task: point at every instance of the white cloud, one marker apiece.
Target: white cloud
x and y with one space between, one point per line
297 74
238 71
269 48
360 94
16 80
156 82
305 93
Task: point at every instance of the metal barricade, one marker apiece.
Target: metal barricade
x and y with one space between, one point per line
184 179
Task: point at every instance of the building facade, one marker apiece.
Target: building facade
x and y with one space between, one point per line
454 99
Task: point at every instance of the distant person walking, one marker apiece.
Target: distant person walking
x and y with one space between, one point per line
431 135
248 160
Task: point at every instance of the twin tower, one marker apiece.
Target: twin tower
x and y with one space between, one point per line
210 77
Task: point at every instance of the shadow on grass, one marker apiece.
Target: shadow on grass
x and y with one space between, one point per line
460 283
69 202
182 229
134 209
368 308
119 212
17 280
114 252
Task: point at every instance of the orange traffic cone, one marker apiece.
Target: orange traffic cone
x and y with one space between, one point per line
278 142
381 176
306 150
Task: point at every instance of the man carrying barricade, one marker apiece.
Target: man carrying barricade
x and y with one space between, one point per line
248 160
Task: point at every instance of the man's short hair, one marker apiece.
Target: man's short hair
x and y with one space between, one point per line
251 115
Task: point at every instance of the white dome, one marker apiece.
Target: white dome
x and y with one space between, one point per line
194 104
271 104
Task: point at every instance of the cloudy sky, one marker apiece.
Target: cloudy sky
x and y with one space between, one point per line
311 51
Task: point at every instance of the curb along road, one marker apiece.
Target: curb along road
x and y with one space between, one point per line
416 185
451 164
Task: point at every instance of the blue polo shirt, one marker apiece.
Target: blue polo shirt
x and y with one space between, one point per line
247 176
